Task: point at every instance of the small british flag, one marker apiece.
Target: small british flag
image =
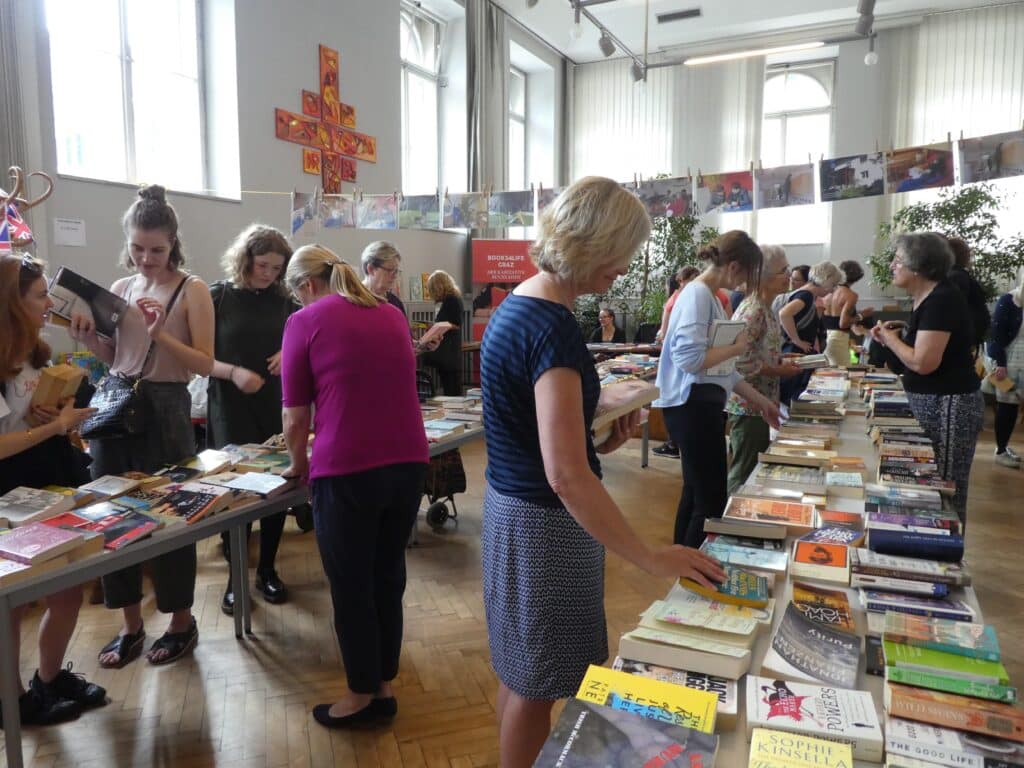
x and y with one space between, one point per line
5 237
18 229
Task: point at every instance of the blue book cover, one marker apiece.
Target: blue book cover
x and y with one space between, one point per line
948 549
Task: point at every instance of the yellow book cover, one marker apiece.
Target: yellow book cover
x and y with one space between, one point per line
775 749
654 699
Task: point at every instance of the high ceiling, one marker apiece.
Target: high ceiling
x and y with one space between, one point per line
723 25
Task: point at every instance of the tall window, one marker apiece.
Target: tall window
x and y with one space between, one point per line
127 90
420 48
797 125
516 129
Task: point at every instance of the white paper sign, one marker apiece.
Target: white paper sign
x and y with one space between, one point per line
69 232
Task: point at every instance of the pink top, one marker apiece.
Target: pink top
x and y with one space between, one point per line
356 365
131 341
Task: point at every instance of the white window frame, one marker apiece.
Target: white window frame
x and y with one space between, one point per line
523 120
409 66
128 104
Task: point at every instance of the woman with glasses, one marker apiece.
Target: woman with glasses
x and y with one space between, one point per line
367 468
935 355
250 307
382 265
607 332
35 452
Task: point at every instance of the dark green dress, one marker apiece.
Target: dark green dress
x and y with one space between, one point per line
249 325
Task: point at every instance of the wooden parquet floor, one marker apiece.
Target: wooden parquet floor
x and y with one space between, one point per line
247 703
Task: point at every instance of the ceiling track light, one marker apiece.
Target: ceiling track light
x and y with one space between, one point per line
864 24
866 7
531 3
639 72
871 58
605 44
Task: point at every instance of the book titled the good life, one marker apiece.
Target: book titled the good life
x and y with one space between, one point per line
723 333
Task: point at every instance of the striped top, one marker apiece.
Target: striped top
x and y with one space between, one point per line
525 338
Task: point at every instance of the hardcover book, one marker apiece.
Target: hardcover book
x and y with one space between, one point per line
725 690
837 714
587 735
945 746
776 749
739 588
796 518
650 698
964 638
73 294
805 650
824 606
948 710
24 505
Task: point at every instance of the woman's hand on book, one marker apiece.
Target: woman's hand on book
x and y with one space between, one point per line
679 561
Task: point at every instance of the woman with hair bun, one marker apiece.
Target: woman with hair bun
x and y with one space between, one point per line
692 396
841 313
800 323
367 469
164 338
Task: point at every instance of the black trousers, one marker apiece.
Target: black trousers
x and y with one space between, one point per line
362 523
698 428
271 529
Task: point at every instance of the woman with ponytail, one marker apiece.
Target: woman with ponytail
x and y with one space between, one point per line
692 395
164 338
346 357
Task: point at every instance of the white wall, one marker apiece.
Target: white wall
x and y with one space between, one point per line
276 48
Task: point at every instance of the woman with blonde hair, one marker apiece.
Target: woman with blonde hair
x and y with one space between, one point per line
382 264
251 307
367 468
547 517
447 358
801 324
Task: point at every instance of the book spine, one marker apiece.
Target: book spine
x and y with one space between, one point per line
931 753
1004 693
934 645
966 718
937 613
899 585
948 549
893 573
127 538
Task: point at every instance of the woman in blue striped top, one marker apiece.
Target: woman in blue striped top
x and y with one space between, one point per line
547 517
695 385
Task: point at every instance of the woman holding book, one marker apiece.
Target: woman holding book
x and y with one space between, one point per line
547 517
935 355
798 316
35 452
367 470
696 380
749 433
841 313
165 336
447 358
244 396
1005 366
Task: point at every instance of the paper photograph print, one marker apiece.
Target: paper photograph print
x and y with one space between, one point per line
352 144
784 186
467 211
299 129
338 212
419 212
303 210
667 197
329 93
311 161
546 197
348 116
915 168
725 192
843 178
377 212
992 157
510 209
311 104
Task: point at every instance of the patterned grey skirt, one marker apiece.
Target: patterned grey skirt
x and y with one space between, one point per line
544 597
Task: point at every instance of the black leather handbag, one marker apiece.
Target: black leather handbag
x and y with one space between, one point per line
119 403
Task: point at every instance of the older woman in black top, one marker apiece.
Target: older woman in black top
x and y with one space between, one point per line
382 264
934 355
447 358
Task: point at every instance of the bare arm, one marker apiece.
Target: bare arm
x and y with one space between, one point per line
787 319
926 354
848 312
67 419
559 398
197 356
296 436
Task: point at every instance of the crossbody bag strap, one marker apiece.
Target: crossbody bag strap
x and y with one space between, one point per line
167 314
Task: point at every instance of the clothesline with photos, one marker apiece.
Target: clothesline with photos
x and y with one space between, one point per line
981 159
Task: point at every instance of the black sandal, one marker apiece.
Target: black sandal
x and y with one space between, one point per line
127 648
177 644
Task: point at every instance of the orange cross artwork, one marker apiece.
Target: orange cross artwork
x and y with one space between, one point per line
325 130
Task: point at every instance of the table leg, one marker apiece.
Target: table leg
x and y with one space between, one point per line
238 577
645 439
243 590
9 687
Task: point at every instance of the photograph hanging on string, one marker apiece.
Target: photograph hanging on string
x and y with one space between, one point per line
667 197
546 197
913 168
377 212
783 186
998 156
304 211
465 211
419 212
843 178
510 209
725 192
338 212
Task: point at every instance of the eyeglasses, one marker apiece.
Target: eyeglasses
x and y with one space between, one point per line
391 270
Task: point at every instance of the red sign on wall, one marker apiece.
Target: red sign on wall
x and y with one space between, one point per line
498 267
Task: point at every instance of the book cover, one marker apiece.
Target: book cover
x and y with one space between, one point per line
758 491
942 546
795 517
35 543
950 665
824 606
11 571
79 497
191 505
922 498
587 735
820 560
56 384
890 584
833 518
176 474
837 714
803 479
725 690
685 651
23 505
805 650
72 293
845 484
948 710
895 566
777 749
945 746
746 557
911 522
111 485
261 483
650 698
960 637
943 608
739 588
848 537
692 601
738 630
938 682
874 656
744 528
748 542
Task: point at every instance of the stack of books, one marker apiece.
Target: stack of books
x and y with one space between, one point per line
35 548
909 575
726 712
824 554
779 749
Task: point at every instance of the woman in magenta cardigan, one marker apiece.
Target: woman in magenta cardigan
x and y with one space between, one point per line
367 469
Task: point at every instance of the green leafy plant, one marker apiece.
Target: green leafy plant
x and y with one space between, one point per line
970 213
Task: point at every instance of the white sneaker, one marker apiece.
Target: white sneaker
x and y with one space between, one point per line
1008 459
1012 454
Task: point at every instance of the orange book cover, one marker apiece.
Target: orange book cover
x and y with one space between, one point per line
948 710
771 511
821 553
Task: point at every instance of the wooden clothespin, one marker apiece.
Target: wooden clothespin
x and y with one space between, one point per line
949 137
760 165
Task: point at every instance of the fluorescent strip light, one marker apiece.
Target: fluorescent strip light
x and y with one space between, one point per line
697 60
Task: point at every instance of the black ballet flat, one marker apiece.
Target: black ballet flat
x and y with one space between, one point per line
377 711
